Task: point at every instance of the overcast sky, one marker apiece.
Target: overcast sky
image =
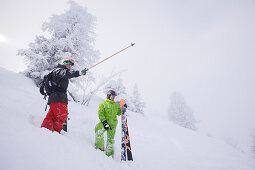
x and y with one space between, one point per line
203 49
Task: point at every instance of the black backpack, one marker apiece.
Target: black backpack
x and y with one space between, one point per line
48 86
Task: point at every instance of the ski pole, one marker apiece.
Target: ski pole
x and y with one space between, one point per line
132 44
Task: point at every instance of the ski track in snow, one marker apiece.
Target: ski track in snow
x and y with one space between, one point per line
155 142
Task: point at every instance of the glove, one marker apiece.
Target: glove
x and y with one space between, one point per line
84 71
106 125
124 107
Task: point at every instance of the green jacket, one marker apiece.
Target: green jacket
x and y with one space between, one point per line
108 110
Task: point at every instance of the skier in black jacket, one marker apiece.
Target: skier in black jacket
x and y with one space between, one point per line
58 101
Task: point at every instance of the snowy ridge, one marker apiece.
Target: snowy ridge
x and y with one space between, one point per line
156 143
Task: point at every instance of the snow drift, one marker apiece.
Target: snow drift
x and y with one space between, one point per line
155 142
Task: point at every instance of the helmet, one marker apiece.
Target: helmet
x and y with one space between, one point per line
68 61
111 92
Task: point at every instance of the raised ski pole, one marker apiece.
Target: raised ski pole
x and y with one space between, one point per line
132 44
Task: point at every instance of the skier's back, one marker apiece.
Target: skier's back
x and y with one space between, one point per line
58 101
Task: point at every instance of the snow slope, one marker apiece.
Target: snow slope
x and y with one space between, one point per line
155 142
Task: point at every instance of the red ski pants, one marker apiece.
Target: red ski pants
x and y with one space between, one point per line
56 117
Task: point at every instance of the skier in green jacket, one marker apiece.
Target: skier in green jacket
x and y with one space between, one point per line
108 111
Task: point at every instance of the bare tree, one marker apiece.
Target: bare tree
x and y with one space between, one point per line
86 99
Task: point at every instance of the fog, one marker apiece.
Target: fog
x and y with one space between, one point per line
203 49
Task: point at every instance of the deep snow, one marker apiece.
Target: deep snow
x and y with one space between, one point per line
155 142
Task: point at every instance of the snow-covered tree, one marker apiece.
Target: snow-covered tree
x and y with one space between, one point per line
135 103
180 113
71 35
253 144
118 87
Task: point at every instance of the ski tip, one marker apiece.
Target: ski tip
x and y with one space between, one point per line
122 102
132 44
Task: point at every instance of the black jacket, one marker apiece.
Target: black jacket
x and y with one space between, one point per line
61 75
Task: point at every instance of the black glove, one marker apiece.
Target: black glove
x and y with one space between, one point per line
106 125
124 107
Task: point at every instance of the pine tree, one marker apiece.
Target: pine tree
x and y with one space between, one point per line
253 144
135 103
180 113
71 36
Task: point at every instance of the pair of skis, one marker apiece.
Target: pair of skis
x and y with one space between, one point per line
126 152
